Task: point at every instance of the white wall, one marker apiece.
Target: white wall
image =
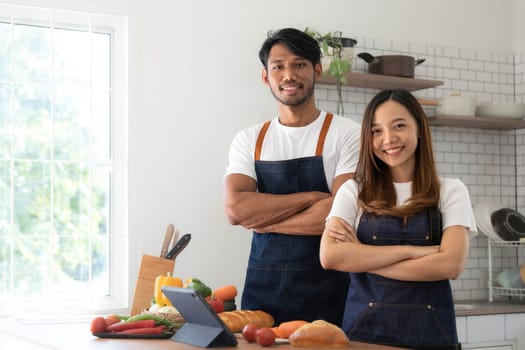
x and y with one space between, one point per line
519 25
195 80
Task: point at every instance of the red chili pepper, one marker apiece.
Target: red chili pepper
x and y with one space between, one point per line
145 330
122 326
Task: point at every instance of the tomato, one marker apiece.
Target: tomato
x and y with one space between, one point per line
248 332
98 325
265 336
216 304
111 319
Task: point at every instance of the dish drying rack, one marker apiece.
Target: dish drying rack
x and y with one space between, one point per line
494 288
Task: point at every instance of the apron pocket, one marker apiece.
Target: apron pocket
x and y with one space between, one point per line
400 324
299 293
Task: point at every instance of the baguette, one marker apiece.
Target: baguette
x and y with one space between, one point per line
319 334
236 320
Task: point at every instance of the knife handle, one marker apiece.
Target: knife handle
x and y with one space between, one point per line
167 239
181 244
175 239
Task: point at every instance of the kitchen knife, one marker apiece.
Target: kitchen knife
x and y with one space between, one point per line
167 239
175 238
181 244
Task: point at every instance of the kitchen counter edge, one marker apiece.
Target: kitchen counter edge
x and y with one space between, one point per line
485 307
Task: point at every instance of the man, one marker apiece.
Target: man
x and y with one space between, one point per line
280 182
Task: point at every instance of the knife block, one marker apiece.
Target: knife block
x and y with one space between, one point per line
150 268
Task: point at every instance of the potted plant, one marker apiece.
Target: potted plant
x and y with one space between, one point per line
335 62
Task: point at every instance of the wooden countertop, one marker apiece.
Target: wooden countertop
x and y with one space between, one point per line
73 333
76 335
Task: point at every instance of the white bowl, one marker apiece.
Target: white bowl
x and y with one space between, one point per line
456 105
503 110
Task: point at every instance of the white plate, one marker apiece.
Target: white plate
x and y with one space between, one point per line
482 212
483 216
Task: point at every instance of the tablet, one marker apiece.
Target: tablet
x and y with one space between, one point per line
203 327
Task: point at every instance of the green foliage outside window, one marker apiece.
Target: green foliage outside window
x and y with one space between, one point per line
54 186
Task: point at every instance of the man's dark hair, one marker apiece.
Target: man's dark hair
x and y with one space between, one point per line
297 41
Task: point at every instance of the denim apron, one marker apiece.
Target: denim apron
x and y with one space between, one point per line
284 276
416 315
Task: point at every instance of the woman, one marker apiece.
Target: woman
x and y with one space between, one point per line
400 230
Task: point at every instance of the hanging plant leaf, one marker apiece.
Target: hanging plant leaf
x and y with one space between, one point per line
331 45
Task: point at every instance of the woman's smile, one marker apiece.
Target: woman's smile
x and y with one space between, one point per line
393 151
395 139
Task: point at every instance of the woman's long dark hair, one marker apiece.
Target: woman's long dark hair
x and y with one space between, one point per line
377 193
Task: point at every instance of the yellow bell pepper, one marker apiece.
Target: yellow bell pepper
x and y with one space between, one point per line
165 280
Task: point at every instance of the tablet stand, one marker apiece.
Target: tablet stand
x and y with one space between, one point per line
203 336
202 327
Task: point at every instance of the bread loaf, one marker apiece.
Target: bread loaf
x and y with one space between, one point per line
236 320
319 334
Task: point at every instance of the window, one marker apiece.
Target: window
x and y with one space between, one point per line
63 141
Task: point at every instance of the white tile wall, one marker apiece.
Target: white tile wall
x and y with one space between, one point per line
490 162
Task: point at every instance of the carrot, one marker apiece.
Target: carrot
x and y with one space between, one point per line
276 332
122 326
287 328
225 293
145 330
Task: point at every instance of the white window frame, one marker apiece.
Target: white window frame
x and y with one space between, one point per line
117 299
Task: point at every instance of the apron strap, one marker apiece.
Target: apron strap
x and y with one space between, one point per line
260 138
320 141
435 225
322 134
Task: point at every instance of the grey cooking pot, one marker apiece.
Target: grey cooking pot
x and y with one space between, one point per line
508 224
398 65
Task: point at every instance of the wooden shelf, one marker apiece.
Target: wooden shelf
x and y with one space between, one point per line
378 81
495 123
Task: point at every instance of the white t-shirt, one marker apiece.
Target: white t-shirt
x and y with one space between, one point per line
454 203
340 152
